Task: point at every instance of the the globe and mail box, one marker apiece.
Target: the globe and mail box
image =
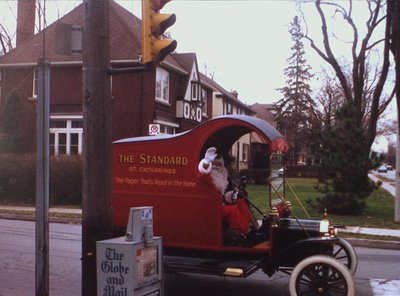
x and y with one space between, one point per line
131 265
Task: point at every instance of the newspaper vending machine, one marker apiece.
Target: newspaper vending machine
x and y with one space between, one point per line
131 265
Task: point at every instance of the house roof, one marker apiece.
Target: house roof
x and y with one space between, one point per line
265 112
185 60
231 97
125 39
125 45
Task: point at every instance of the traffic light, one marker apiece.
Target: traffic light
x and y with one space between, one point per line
154 46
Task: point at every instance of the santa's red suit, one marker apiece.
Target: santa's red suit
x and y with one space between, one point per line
236 215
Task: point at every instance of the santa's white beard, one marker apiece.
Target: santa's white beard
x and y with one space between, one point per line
220 178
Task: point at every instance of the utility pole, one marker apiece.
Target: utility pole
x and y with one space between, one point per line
42 180
96 204
393 14
397 178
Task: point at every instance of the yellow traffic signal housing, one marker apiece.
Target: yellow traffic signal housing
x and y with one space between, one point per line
154 46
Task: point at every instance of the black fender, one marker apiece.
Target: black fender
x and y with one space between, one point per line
271 264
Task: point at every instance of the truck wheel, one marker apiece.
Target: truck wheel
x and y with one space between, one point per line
321 275
344 252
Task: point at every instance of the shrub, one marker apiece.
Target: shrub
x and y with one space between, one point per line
66 180
302 171
342 204
255 176
18 179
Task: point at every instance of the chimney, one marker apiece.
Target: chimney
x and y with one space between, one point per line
235 94
25 20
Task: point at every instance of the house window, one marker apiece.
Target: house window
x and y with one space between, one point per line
167 130
195 91
35 83
1 83
66 135
204 101
245 152
166 127
162 85
228 108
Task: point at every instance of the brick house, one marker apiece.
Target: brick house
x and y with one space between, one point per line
173 94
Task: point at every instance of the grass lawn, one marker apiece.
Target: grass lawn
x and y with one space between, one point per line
379 212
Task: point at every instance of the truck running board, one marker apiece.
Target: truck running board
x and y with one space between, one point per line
242 268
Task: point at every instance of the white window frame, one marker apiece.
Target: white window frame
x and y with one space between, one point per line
228 108
162 86
165 125
204 100
245 152
195 91
35 84
68 131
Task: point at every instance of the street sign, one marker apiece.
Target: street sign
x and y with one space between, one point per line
154 129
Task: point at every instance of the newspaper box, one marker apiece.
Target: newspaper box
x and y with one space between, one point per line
131 265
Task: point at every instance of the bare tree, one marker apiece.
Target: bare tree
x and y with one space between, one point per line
6 35
5 40
329 98
208 72
366 98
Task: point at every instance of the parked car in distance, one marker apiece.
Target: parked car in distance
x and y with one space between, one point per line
382 169
389 167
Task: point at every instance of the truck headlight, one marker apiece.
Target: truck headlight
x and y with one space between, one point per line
323 226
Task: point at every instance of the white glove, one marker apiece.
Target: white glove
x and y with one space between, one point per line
211 154
230 197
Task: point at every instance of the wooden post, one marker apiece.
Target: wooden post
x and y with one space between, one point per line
393 14
96 204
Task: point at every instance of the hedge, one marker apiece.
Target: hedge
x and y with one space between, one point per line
18 179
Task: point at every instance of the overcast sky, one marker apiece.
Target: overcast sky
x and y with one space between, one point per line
243 43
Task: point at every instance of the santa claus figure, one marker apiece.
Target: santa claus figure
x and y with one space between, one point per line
237 220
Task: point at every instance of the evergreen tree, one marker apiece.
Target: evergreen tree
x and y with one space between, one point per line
296 110
345 162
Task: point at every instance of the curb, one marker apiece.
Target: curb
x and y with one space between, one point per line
355 242
374 244
32 217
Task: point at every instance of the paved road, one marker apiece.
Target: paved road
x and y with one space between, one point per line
377 275
17 258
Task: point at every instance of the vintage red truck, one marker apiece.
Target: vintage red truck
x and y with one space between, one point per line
161 171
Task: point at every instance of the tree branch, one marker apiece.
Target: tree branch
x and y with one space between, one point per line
330 57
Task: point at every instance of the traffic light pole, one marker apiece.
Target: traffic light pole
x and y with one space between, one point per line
42 180
96 203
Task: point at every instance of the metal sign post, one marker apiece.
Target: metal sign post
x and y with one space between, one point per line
42 179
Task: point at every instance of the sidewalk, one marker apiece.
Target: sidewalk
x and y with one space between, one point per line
56 215
17 212
385 185
51 210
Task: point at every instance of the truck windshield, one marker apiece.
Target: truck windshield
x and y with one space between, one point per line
277 181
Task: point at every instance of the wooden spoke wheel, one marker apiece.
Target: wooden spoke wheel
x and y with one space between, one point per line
321 275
